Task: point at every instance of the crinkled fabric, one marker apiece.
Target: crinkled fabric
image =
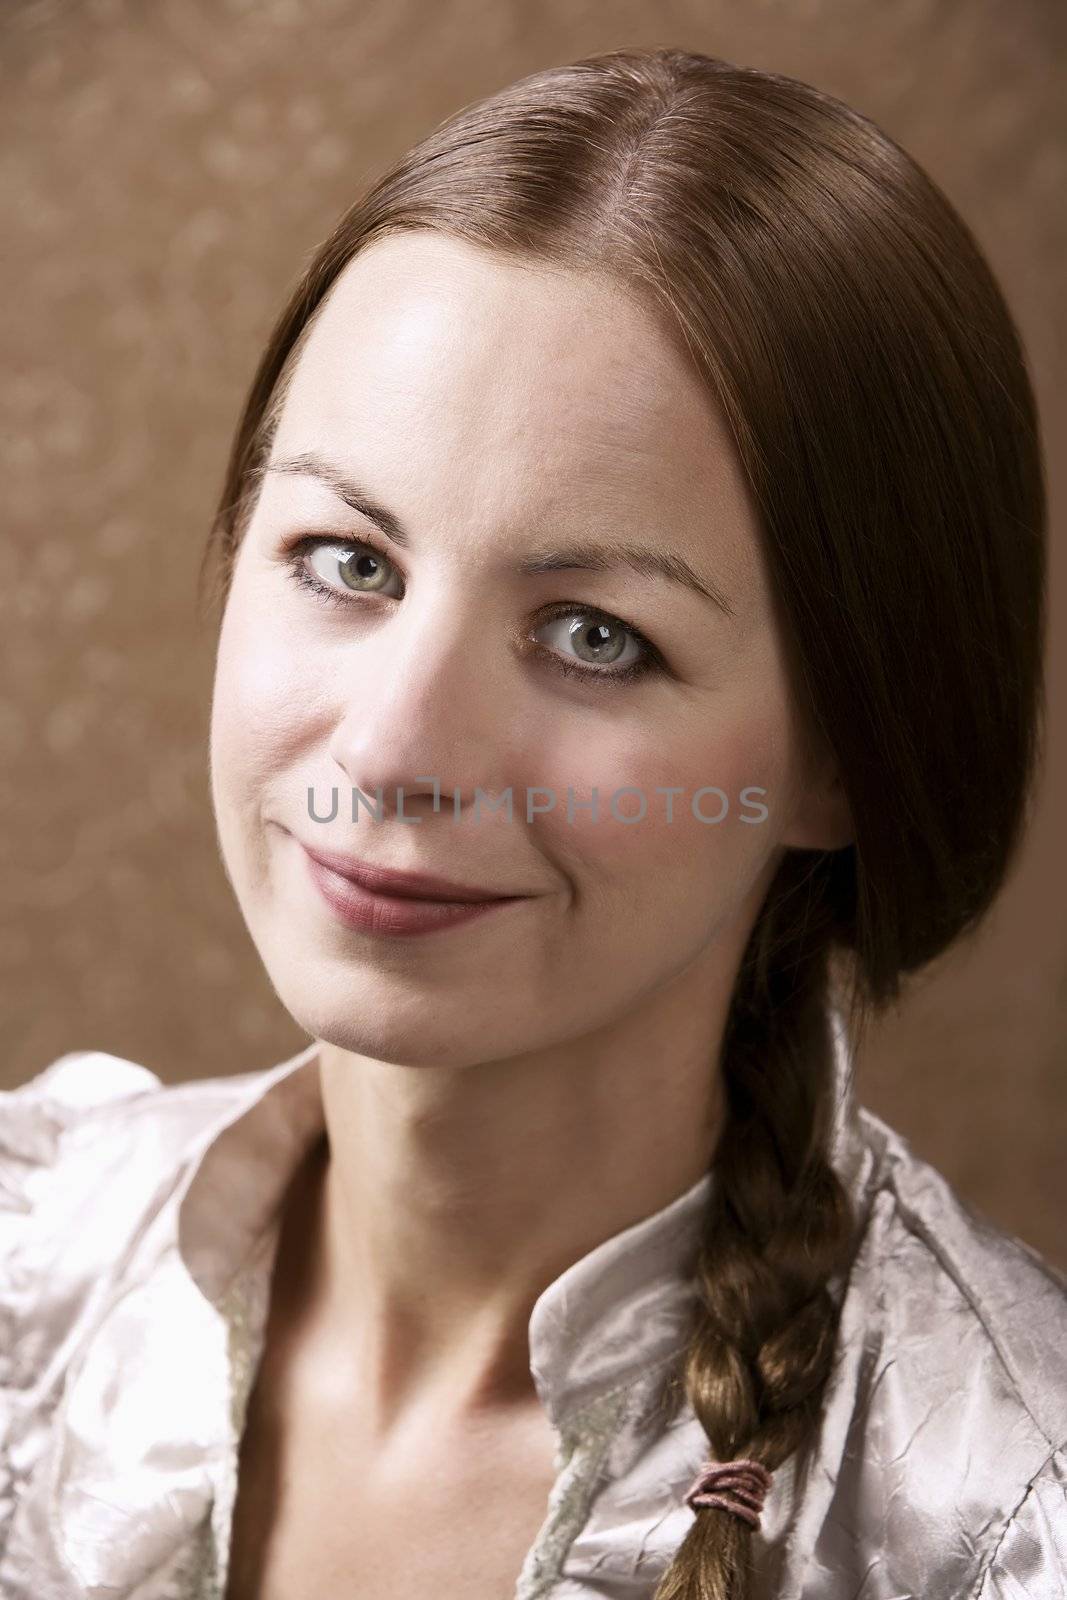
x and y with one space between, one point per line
138 1229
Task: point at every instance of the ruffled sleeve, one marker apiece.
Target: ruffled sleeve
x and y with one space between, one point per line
35 1204
1029 1560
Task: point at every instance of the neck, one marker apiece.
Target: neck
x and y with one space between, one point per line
451 1197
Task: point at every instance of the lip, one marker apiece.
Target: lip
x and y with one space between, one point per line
388 882
394 915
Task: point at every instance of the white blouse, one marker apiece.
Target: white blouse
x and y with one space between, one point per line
138 1225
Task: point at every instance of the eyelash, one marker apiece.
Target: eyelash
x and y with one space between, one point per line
652 661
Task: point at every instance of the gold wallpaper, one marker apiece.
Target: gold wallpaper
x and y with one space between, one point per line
167 167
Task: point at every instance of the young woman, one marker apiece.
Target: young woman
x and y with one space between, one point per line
631 565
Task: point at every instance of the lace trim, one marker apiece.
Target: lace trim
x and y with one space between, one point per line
244 1307
583 1446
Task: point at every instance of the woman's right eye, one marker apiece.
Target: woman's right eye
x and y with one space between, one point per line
346 568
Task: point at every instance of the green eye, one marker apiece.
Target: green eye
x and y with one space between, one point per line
361 567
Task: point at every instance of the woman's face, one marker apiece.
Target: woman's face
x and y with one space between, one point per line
500 414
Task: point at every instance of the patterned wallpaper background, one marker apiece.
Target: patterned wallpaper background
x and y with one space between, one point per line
165 170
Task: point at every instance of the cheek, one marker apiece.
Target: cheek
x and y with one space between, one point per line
669 846
263 697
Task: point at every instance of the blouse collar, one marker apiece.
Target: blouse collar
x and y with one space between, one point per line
620 1308
623 1307
136 1464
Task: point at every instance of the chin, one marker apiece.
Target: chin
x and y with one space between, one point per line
376 1015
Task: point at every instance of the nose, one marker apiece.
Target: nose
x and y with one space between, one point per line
423 697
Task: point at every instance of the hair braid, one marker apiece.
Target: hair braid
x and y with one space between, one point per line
778 1225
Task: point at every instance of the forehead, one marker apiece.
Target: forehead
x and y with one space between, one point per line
446 367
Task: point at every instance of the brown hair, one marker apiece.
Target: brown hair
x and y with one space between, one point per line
845 320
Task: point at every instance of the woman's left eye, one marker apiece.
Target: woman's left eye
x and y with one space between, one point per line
603 639
600 636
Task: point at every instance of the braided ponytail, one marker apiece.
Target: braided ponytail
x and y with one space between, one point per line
778 1226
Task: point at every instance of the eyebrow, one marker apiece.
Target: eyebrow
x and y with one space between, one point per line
577 556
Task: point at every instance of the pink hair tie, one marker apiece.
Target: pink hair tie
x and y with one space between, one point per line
737 1486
